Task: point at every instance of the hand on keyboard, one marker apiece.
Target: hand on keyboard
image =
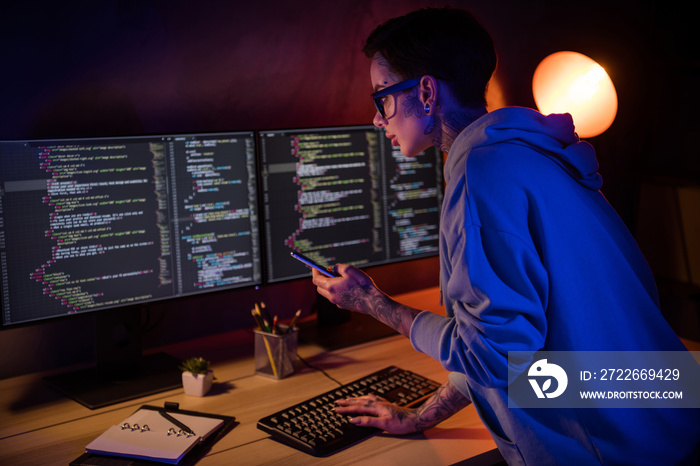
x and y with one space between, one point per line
379 413
316 427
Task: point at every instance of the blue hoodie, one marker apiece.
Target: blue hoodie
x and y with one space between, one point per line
533 258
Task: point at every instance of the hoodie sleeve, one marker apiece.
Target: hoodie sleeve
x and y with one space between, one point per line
499 306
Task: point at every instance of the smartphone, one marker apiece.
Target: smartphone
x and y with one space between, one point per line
310 263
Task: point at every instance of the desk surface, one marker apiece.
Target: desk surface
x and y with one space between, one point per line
39 426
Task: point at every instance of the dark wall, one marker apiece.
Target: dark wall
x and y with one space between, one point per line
147 67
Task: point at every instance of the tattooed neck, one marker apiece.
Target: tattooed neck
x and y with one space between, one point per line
448 126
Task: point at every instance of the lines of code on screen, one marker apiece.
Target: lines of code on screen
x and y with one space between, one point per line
92 224
345 195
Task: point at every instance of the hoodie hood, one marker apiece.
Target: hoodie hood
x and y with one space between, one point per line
552 136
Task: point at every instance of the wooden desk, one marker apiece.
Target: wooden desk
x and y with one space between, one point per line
40 426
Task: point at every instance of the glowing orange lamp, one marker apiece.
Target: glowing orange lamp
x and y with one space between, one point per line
569 82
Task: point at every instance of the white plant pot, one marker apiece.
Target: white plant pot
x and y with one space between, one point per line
197 384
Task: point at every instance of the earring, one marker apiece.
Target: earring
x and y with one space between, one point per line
427 108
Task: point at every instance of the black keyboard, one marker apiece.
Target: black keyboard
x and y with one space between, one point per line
315 428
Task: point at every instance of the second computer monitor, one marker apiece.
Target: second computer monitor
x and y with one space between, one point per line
346 195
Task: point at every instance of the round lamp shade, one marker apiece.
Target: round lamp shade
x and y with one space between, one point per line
569 82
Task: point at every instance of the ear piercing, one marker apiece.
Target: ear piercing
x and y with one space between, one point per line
427 108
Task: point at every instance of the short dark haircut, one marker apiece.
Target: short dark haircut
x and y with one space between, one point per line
447 43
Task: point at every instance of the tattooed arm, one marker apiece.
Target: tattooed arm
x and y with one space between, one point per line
356 291
376 412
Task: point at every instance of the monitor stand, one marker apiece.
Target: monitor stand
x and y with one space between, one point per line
336 328
121 372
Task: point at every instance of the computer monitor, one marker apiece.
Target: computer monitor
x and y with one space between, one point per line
109 224
345 195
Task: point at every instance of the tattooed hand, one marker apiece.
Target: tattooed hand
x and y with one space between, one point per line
378 412
354 290
351 291
374 411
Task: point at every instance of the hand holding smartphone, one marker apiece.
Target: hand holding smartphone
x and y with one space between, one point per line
310 263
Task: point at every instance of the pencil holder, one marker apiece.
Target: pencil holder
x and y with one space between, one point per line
276 354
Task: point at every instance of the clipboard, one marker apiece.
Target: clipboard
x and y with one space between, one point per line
192 449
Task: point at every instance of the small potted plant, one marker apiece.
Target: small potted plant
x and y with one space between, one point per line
196 376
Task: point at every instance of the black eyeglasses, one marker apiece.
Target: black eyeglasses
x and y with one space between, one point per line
379 96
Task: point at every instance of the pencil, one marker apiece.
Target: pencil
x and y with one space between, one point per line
262 325
269 355
267 327
264 312
293 321
257 320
